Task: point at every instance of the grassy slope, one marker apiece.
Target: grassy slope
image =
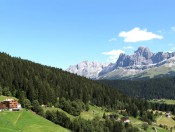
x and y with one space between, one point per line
26 121
93 112
165 121
166 101
55 109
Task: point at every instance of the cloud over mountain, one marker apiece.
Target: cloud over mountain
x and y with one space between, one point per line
113 54
137 35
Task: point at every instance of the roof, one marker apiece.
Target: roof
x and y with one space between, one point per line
2 98
125 118
8 99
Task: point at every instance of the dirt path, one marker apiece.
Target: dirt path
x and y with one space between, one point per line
159 118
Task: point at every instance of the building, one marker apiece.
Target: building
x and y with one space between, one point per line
125 119
168 114
10 104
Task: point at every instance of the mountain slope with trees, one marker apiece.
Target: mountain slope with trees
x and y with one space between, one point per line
148 89
42 84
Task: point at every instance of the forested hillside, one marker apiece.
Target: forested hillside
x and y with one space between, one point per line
34 84
25 79
148 89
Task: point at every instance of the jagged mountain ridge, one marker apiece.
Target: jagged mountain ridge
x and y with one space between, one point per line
142 56
87 69
137 65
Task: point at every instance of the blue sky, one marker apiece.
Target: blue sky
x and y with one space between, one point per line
60 33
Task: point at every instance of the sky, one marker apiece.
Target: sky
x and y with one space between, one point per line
61 33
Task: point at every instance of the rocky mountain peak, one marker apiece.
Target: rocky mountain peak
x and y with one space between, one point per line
144 51
142 56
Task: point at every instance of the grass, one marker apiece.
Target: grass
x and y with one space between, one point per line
60 110
2 98
97 112
161 129
93 112
166 101
166 121
26 121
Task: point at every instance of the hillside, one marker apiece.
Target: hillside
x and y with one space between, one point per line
96 113
36 85
25 79
26 121
149 89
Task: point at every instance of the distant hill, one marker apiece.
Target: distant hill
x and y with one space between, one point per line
26 121
148 89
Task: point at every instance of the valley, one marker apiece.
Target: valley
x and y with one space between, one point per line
80 104
87 66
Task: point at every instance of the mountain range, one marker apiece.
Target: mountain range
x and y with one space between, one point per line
142 64
87 69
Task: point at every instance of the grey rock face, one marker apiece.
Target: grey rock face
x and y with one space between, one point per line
141 60
142 56
160 56
87 69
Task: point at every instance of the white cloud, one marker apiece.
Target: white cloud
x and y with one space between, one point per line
112 39
128 47
173 29
137 35
113 54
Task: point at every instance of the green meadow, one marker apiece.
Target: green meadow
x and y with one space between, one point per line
26 121
166 101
